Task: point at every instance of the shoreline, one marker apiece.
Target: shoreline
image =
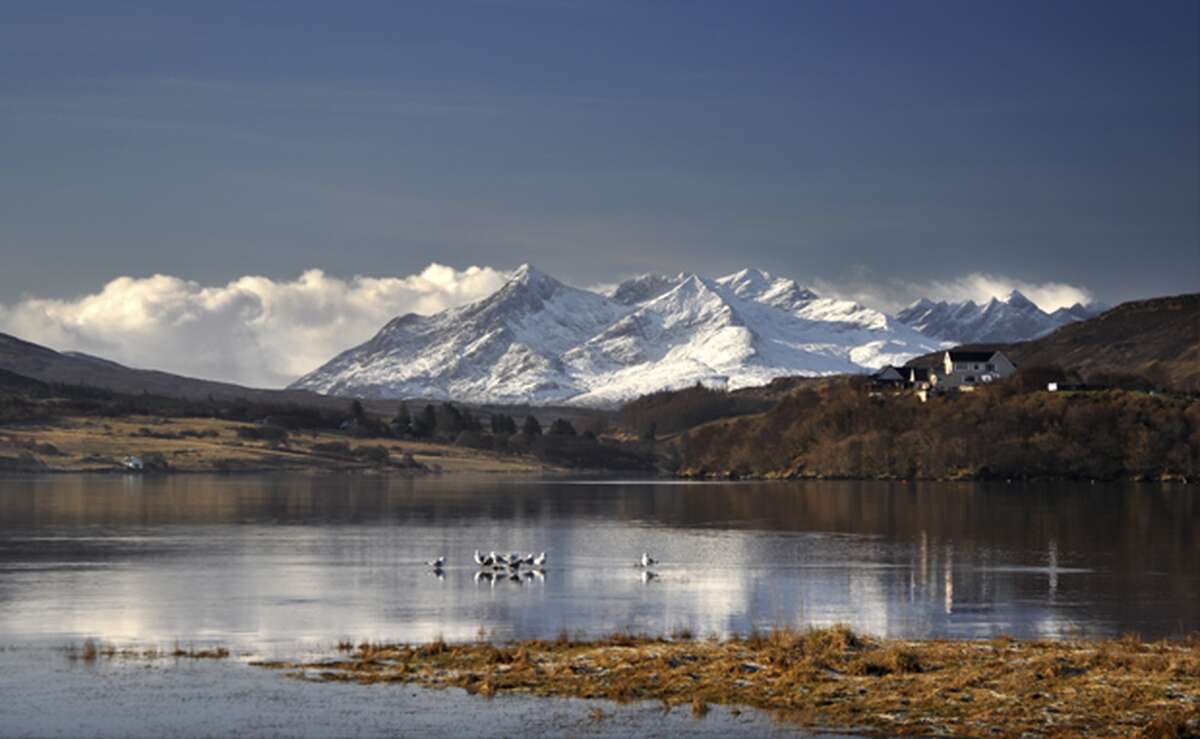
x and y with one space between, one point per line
826 679
183 446
728 476
552 473
94 445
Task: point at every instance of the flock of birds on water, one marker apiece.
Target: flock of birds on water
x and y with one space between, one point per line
494 567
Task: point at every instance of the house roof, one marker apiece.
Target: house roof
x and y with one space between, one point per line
878 374
970 356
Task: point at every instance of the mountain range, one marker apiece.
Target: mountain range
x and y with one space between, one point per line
538 340
1009 319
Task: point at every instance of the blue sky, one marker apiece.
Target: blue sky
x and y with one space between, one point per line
839 141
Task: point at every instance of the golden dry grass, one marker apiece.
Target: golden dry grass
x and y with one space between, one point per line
211 445
830 678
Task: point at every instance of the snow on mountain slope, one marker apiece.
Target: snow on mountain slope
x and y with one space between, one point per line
504 348
1015 318
643 287
539 341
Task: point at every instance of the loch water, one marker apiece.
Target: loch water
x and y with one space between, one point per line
282 562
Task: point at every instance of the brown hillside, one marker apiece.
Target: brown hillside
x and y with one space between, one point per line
44 364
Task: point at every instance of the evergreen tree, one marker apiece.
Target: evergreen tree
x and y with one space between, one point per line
402 423
452 419
470 422
562 427
424 425
531 427
503 425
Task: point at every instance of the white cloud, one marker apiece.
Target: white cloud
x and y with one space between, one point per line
978 286
254 330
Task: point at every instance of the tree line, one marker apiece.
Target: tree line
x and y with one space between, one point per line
1011 430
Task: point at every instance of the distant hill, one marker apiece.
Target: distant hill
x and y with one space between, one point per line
1157 338
44 365
13 383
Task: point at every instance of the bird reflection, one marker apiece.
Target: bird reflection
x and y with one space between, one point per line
518 578
648 576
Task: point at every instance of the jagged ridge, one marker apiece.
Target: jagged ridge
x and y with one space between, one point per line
539 341
1013 318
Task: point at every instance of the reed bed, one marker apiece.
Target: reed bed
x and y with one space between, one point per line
91 651
827 678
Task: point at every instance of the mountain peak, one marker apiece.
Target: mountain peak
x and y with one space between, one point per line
641 288
749 273
528 278
1018 300
747 280
528 273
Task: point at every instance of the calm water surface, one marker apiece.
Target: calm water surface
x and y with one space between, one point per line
276 564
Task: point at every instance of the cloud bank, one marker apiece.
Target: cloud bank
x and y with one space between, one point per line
253 331
266 333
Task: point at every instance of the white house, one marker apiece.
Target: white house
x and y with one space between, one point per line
959 370
963 370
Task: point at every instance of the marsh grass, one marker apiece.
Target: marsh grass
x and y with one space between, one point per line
832 678
682 633
91 651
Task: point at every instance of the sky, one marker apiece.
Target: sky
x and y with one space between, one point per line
319 151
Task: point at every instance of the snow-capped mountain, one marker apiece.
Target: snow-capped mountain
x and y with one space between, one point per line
537 340
1013 318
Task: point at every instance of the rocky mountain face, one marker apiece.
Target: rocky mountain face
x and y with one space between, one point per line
539 341
1014 318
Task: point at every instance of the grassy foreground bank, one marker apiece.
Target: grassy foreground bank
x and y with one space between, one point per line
828 678
99 443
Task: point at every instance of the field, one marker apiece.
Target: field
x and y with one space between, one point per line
98 444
